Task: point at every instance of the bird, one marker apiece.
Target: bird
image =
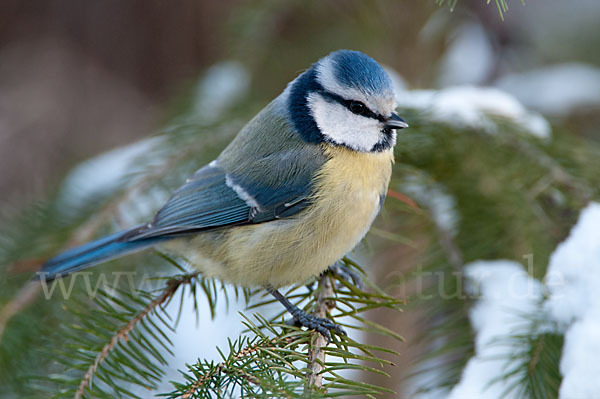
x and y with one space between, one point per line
295 190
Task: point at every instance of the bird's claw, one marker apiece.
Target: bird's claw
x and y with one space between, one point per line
321 325
303 319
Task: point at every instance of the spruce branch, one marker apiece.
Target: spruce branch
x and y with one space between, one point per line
254 364
316 354
533 354
171 288
227 366
273 359
555 172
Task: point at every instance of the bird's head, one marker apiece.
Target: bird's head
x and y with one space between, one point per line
345 99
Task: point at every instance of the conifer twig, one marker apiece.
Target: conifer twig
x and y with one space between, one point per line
555 170
216 371
167 293
316 354
222 367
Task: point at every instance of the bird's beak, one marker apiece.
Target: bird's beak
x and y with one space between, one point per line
395 122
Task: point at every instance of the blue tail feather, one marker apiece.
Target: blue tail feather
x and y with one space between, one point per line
87 255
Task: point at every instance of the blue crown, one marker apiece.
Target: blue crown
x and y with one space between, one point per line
359 71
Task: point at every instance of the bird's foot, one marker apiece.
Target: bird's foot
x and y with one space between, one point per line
342 271
302 319
318 324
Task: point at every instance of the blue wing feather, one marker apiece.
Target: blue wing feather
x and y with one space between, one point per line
208 201
204 202
104 249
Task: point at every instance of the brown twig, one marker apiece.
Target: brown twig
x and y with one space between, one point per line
202 380
316 354
167 293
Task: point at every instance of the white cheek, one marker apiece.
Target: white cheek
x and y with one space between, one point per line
341 126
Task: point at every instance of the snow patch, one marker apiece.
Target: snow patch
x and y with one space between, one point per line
575 305
469 59
555 90
223 85
506 294
474 107
102 174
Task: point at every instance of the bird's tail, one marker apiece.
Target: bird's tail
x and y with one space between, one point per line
87 255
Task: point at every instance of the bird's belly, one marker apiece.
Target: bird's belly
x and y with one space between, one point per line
288 251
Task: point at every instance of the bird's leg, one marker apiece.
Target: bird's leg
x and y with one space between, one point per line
342 271
321 325
310 287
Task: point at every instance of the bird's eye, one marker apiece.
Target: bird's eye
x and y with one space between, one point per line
357 107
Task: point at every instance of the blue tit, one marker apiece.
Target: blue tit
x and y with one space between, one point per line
297 188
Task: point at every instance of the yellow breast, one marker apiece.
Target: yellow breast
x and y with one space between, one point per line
350 188
288 251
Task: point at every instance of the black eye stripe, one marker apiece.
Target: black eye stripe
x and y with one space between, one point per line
347 103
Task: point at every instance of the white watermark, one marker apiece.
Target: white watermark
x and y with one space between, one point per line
109 283
418 283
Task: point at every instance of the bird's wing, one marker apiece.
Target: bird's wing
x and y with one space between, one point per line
213 198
